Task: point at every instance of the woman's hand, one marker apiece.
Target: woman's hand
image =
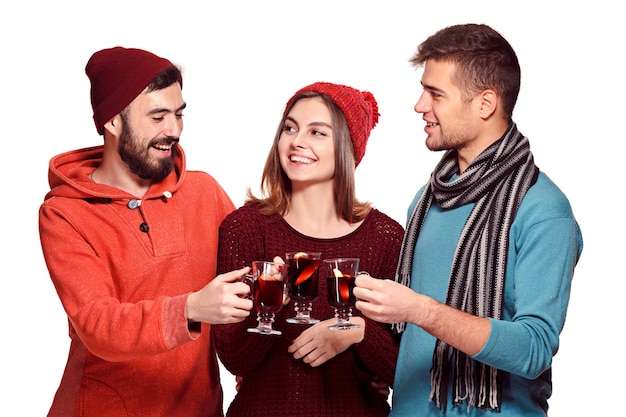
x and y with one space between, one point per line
317 344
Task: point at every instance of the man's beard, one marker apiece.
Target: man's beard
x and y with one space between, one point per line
137 157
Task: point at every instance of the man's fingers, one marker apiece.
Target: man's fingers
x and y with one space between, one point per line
233 276
363 294
365 281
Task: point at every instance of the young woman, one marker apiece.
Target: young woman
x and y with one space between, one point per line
309 204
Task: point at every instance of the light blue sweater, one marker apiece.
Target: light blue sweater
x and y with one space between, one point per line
545 244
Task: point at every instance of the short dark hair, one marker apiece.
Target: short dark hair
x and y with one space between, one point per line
168 76
483 60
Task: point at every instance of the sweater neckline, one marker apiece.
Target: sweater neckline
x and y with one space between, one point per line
332 239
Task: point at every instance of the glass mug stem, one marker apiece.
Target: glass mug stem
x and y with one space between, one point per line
343 316
303 313
265 321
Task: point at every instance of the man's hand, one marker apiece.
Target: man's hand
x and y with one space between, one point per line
387 301
222 301
383 300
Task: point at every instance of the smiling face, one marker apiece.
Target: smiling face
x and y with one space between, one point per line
306 147
152 125
451 118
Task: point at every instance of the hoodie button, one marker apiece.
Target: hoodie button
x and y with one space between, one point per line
133 204
167 194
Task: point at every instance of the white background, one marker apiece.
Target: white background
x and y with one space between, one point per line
242 60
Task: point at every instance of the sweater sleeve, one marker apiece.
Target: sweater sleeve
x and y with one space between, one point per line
111 329
379 349
124 290
545 245
542 273
240 242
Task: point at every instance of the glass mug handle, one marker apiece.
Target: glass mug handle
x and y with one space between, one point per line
249 280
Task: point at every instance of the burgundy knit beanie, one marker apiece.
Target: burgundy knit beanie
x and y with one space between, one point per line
118 75
358 107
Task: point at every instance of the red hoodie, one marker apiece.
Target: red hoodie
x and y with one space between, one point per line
124 289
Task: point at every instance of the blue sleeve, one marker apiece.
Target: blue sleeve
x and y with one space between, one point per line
546 243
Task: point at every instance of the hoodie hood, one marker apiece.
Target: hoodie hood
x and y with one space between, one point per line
68 176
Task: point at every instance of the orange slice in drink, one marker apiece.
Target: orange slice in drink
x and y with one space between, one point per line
306 273
268 277
344 290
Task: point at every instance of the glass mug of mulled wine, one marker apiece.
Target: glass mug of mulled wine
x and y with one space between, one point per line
302 284
267 284
340 274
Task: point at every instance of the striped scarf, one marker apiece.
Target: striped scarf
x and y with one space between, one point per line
496 182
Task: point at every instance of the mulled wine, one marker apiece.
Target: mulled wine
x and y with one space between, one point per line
302 284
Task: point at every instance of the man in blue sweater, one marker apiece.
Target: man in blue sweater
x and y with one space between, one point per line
491 243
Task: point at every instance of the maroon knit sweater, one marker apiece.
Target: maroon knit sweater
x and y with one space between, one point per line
274 383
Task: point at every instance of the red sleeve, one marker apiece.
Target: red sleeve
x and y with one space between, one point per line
379 349
240 242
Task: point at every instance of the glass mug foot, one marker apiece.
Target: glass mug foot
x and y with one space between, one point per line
265 325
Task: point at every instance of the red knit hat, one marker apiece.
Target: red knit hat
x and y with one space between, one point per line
117 76
358 107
